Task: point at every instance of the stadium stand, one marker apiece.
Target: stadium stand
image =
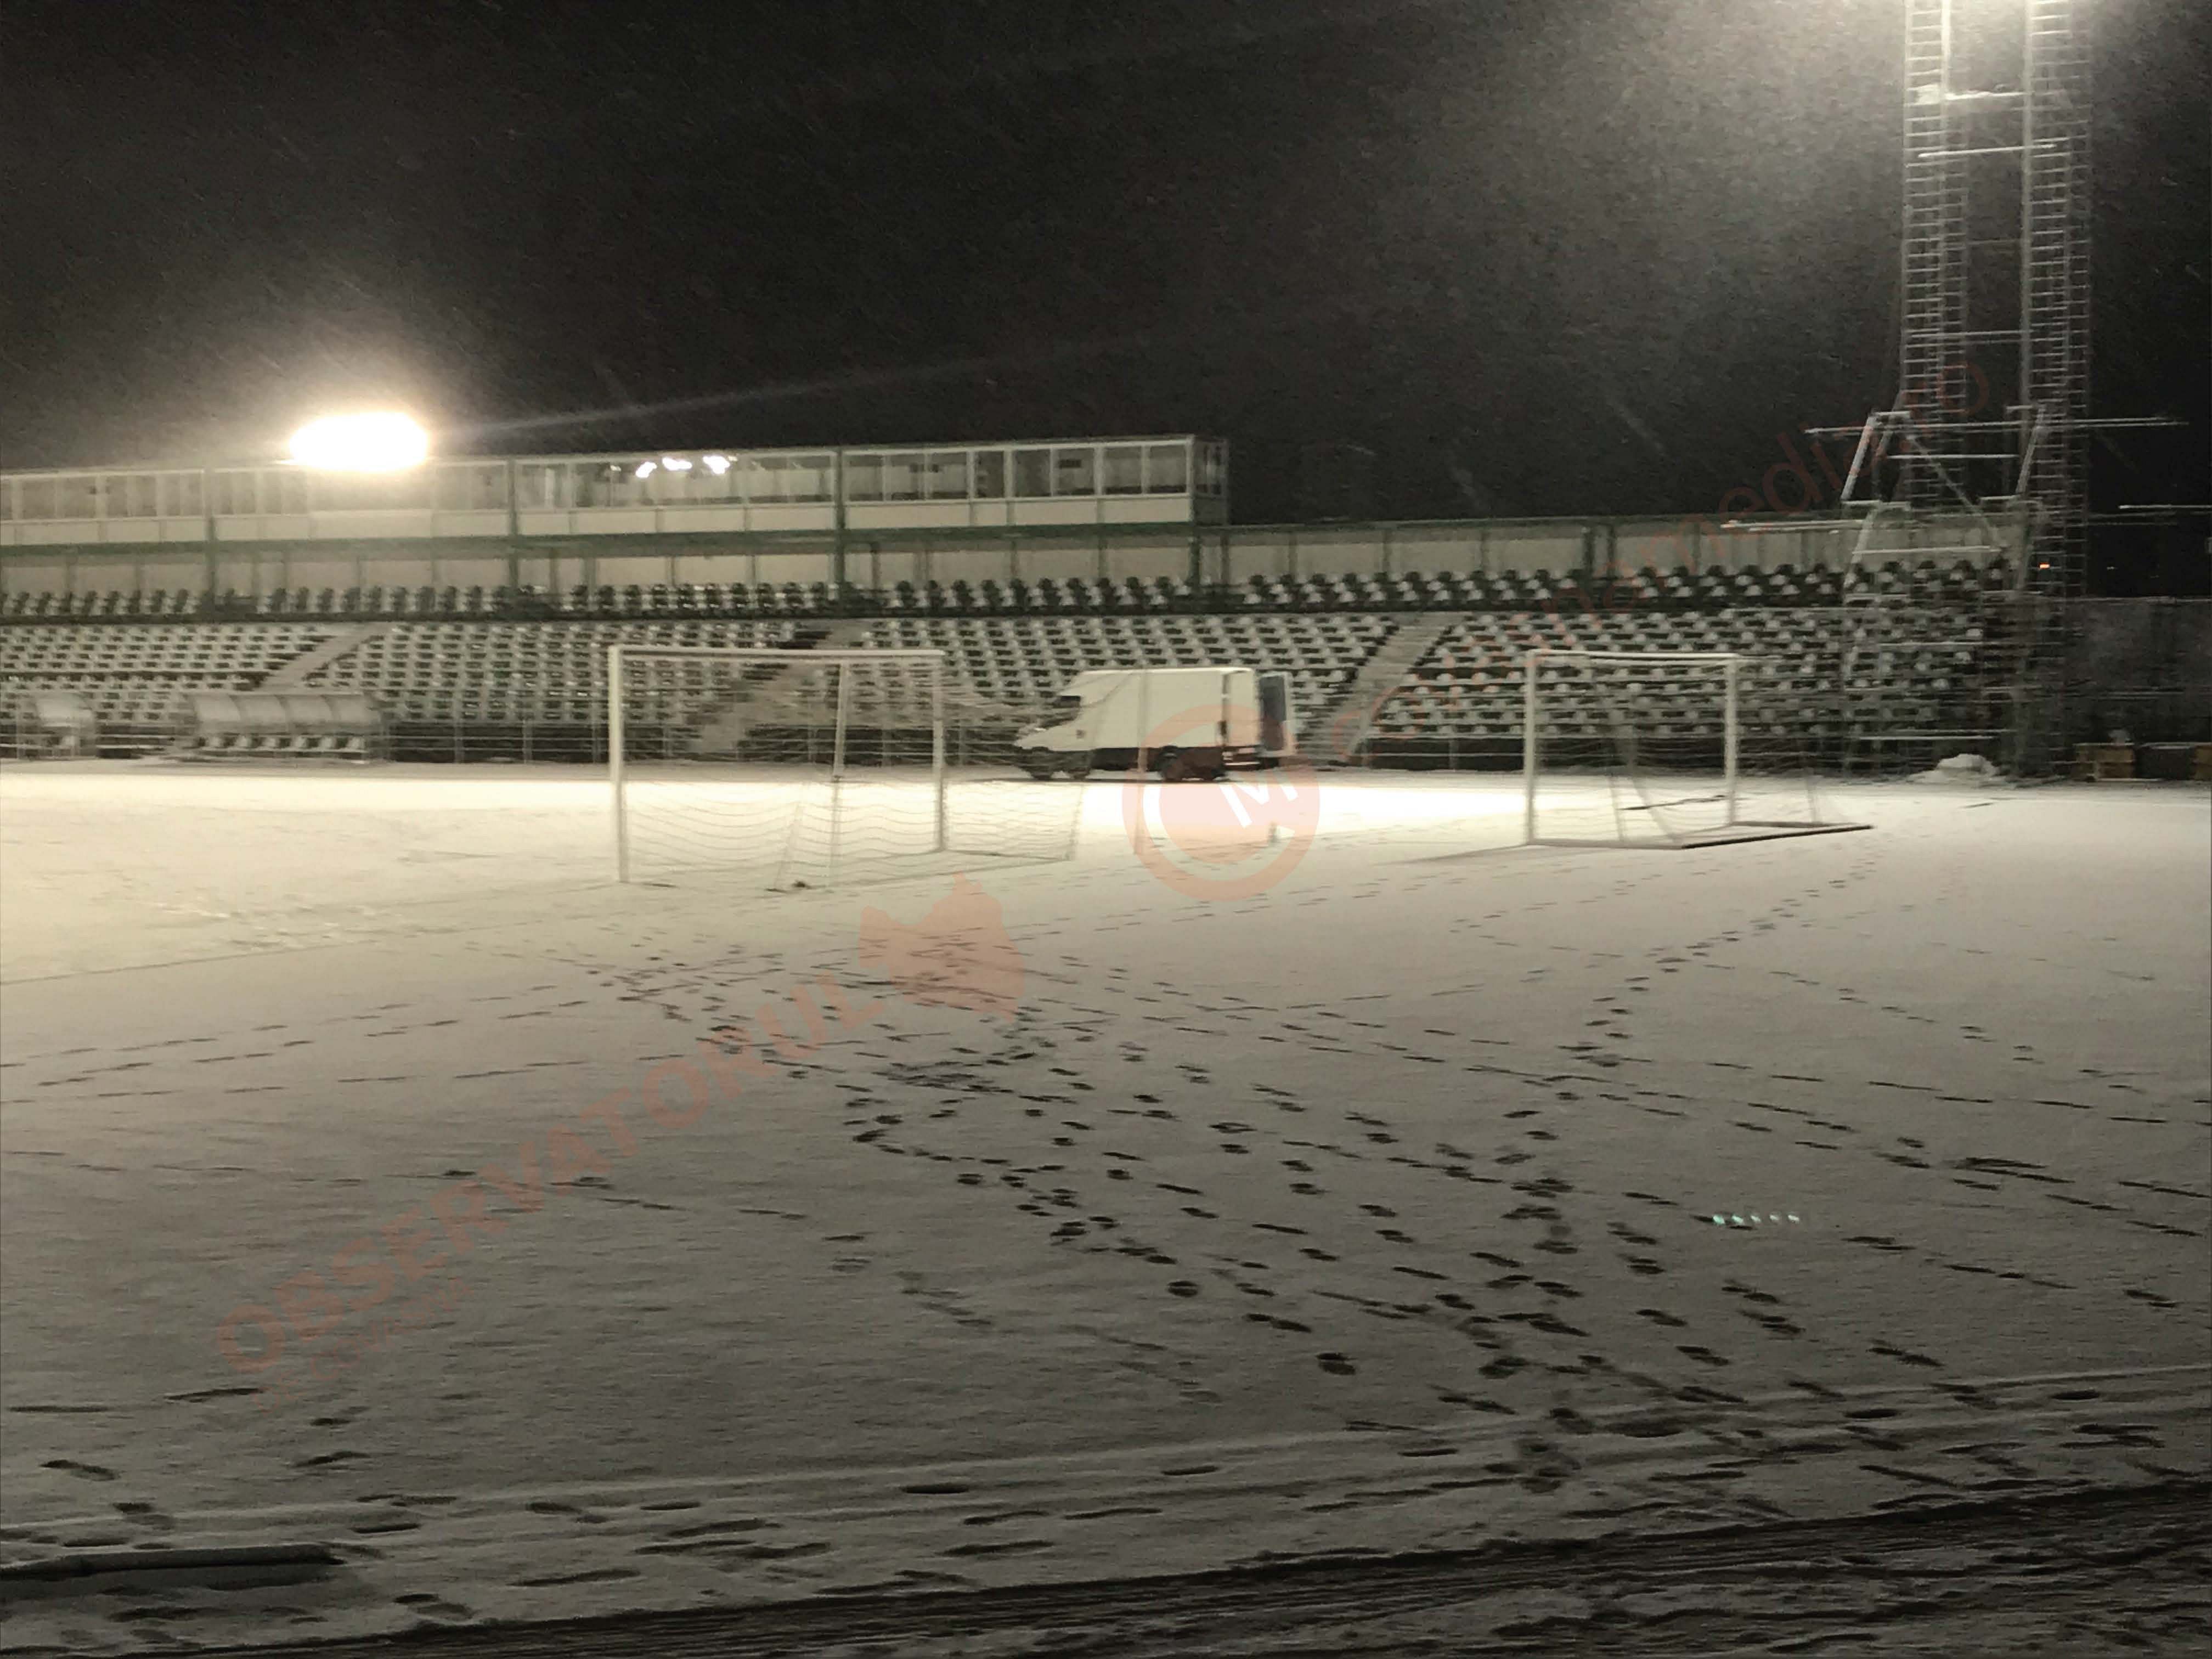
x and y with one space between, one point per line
1925 672
504 673
539 689
135 675
469 672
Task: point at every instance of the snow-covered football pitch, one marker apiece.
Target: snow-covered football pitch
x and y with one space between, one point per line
375 1172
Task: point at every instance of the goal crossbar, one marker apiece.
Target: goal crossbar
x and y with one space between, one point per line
930 664
1725 793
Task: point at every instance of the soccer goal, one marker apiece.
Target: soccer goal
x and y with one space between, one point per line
811 767
1669 749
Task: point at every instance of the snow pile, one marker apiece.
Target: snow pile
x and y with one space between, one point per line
1958 769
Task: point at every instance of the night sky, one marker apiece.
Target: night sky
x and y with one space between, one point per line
1585 256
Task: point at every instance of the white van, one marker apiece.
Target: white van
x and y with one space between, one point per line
1186 724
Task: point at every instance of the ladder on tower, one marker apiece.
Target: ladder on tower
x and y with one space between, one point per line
1931 367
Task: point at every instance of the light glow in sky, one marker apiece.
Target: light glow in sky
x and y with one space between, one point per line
360 443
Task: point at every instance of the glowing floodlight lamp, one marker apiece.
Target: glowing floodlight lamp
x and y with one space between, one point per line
360 443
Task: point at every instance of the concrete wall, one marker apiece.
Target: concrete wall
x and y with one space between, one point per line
2143 666
1224 553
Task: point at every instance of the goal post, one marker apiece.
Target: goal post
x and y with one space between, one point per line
617 748
805 767
1668 749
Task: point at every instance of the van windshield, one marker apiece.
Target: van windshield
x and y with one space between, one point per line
1064 708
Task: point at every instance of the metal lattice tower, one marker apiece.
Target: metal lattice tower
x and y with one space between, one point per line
1993 369
1932 357
1992 418
2054 303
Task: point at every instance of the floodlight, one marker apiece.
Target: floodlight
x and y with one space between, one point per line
360 443
644 469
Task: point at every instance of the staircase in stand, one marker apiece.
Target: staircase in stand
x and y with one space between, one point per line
765 686
297 673
1340 737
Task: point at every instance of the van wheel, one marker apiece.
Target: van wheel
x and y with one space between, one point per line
1078 768
1037 766
1171 766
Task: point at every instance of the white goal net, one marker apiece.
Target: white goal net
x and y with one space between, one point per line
809 767
1669 749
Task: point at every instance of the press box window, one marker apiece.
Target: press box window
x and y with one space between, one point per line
1125 469
1075 472
948 475
1033 473
902 477
539 487
864 478
181 496
130 495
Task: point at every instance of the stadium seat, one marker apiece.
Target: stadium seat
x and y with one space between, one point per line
468 655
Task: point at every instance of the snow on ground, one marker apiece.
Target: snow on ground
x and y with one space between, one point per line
1373 1211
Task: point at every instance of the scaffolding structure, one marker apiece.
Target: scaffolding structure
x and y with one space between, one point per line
1992 414
1994 269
